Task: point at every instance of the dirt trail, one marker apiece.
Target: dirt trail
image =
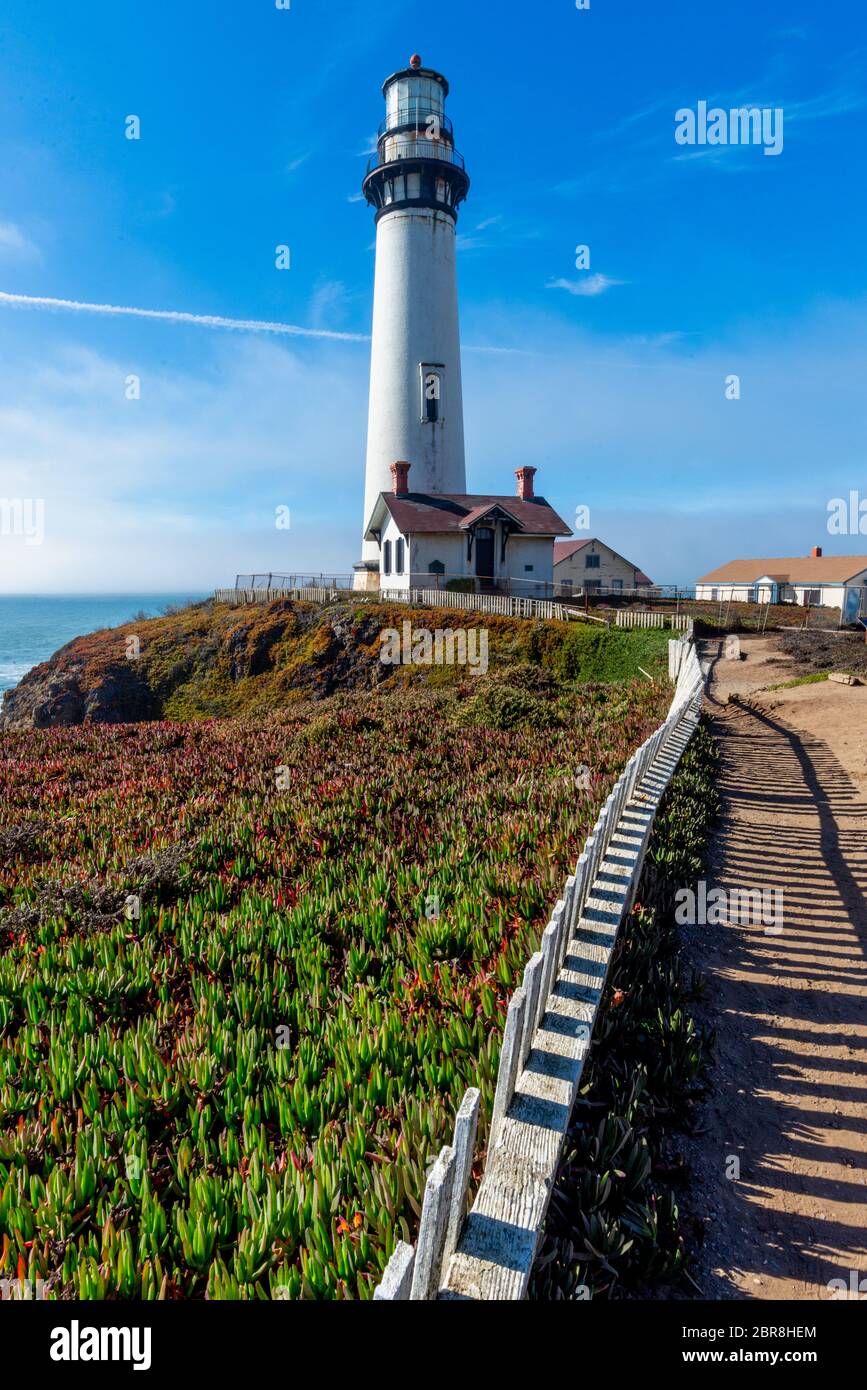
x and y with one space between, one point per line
789 1097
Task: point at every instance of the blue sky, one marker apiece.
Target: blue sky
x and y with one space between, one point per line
254 126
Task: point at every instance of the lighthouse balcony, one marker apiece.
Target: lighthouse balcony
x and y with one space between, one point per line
418 117
395 148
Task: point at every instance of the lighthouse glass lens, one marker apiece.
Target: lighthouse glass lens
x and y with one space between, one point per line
411 100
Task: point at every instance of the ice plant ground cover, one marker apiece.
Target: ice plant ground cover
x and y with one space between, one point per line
616 1225
247 969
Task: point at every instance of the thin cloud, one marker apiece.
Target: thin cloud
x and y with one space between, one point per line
13 240
292 330
838 102
590 285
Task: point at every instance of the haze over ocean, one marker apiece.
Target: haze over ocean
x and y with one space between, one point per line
34 626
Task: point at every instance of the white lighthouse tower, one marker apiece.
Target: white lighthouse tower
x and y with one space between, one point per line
416 183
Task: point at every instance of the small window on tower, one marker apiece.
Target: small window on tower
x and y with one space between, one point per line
431 392
398 556
386 558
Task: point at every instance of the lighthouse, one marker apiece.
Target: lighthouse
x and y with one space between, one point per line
415 183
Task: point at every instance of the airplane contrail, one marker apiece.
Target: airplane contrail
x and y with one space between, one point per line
292 330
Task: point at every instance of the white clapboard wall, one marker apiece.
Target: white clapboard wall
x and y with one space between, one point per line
488 1252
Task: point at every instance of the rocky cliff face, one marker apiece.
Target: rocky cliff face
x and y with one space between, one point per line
211 660
52 696
205 660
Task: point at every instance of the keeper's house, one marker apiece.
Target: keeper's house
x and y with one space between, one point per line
429 540
591 566
813 580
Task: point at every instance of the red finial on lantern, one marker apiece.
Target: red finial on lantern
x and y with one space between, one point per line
415 61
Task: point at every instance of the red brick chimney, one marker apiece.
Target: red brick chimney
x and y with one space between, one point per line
816 552
400 478
525 478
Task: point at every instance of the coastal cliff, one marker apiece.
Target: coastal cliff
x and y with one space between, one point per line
206 660
211 660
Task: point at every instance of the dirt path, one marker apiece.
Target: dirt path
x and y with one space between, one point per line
789 1098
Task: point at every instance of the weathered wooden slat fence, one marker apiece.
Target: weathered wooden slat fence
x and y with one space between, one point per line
433 598
483 603
681 651
629 617
243 596
490 1253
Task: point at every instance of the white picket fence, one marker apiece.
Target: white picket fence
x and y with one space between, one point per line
243 596
681 652
489 603
434 598
629 617
478 603
489 1252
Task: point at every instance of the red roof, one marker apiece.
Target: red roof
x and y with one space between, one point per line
419 511
564 550
798 569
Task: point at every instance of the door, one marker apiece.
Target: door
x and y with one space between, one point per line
485 553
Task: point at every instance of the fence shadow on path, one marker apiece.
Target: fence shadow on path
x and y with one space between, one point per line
790 1084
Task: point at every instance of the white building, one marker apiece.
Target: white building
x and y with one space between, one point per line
464 540
833 581
591 566
416 184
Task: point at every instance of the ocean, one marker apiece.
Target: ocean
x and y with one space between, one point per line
34 627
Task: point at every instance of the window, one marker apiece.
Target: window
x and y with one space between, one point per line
412 99
398 556
431 392
386 558
592 562
436 567
566 587
617 583
528 569
591 585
